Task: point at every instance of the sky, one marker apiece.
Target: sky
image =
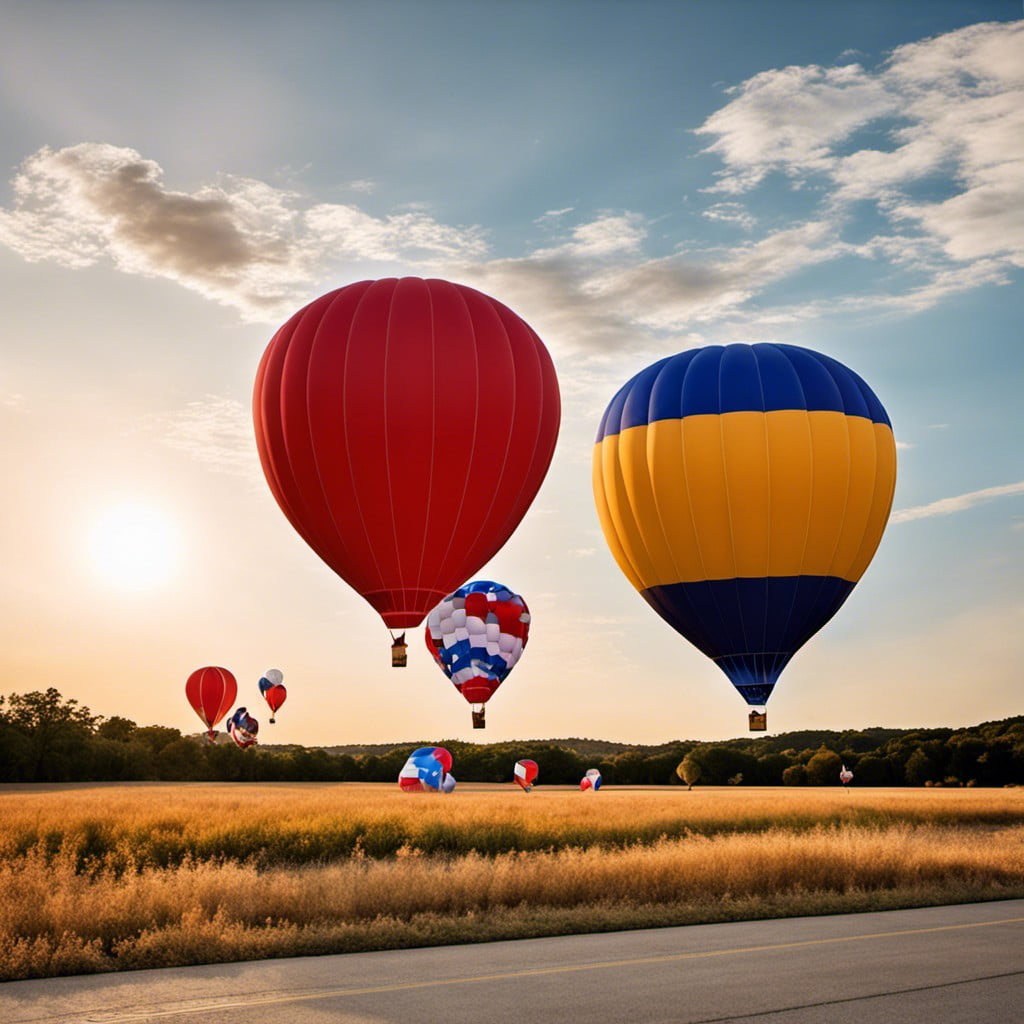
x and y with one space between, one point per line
634 180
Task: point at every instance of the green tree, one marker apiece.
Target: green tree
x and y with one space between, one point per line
823 768
55 734
690 770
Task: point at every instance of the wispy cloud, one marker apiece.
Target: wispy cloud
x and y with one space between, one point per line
731 213
952 105
215 431
949 109
960 503
240 242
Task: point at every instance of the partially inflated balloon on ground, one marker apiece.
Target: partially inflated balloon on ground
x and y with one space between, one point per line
425 770
524 773
591 781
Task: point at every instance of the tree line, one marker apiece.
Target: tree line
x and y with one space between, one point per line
45 737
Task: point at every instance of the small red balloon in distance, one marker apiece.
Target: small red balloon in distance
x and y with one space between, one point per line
211 691
275 697
524 773
404 427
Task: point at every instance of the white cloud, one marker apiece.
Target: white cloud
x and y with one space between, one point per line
553 214
959 503
949 106
731 213
789 119
239 242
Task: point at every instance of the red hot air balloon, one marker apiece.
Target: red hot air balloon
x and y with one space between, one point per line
404 427
211 691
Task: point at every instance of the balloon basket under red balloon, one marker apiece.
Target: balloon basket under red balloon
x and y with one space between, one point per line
399 658
211 736
758 721
272 719
478 718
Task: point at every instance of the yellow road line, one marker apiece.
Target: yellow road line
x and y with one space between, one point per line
337 993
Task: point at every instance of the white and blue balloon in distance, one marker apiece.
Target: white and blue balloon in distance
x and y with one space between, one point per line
427 770
592 780
243 728
477 635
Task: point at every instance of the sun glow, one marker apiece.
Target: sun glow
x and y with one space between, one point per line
133 546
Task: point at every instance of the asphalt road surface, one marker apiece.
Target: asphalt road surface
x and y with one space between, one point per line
939 965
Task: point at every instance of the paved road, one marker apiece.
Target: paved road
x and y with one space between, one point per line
940 965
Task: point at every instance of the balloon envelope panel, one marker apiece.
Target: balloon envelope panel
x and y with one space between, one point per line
743 490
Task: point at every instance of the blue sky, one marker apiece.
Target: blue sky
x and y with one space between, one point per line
633 179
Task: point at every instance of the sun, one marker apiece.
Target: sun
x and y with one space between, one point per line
134 546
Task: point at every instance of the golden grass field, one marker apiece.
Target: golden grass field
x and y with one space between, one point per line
108 877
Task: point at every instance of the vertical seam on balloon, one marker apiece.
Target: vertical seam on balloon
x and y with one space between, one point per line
676 574
508 447
279 343
607 487
387 448
348 447
532 352
433 441
810 492
338 298
859 555
768 472
513 504
728 504
689 499
849 474
443 562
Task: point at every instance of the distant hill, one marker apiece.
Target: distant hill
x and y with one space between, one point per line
858 740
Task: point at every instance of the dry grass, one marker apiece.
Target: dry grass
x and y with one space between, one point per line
111 878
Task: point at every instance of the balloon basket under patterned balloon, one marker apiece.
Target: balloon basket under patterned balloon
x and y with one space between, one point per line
758 721
399 657
478 717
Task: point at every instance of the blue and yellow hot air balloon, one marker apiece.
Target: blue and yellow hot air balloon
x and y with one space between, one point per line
743 490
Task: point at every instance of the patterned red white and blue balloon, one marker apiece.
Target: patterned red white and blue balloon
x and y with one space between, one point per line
243 728
477 635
